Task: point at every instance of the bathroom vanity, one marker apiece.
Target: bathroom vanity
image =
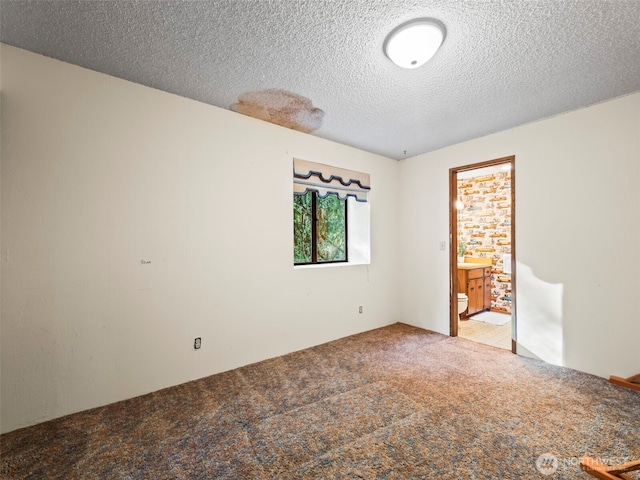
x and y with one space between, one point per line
474 280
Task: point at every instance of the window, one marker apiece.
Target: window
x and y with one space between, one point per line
324 200
320 228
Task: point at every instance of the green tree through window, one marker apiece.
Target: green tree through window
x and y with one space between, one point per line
302 234
319 228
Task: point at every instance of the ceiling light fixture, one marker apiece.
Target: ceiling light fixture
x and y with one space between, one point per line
412 44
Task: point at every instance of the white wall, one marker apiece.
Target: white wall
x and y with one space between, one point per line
577 225
99 174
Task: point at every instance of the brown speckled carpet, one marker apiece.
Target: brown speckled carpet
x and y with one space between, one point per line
393 403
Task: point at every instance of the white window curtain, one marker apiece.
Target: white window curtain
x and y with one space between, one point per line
326 179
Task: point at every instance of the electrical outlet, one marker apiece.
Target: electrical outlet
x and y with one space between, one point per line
360 309
197 343
443 245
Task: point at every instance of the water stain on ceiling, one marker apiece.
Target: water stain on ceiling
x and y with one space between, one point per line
281 107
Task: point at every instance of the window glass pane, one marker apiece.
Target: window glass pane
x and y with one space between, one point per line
331 229
302 218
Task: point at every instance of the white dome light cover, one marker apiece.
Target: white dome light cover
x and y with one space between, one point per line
412 44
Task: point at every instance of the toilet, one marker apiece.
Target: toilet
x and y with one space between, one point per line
463 303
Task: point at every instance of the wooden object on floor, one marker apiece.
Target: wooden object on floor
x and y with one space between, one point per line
631 382
597 469
474 280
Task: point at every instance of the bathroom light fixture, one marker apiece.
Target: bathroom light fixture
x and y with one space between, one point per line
413 43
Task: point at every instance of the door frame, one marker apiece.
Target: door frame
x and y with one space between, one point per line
453 236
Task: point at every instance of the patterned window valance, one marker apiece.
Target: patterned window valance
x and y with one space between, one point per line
326 179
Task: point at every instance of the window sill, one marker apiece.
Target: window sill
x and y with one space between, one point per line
328 265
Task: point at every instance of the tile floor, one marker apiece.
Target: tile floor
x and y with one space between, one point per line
487 333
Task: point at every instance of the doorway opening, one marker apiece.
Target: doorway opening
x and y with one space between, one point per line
482 252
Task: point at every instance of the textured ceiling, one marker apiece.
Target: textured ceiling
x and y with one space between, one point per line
503 63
